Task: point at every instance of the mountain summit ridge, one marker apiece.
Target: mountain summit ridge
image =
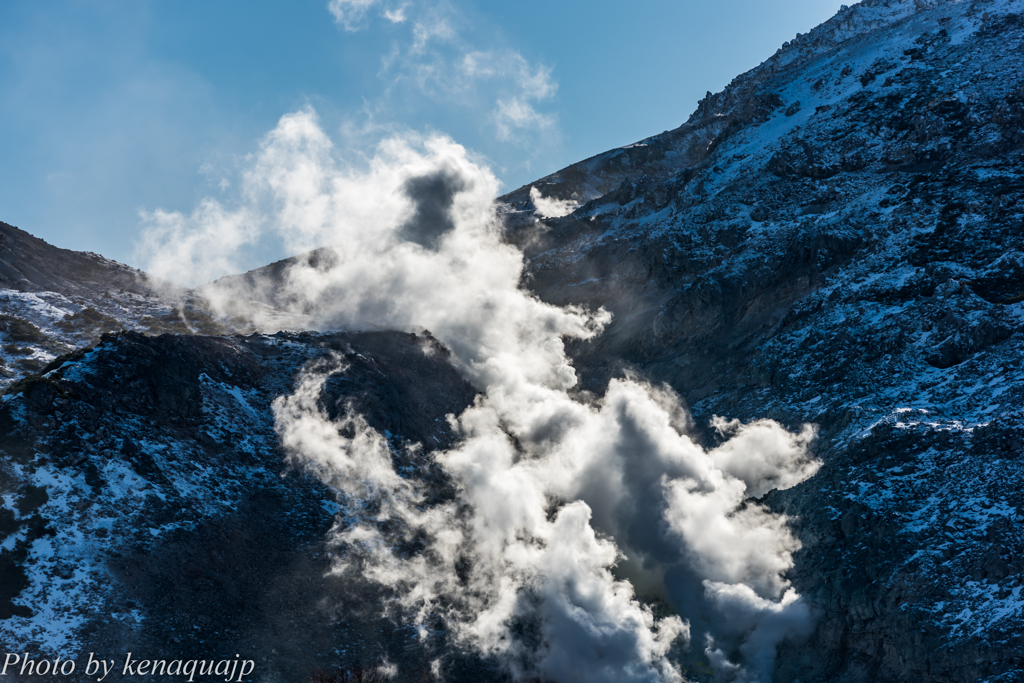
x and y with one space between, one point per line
740 102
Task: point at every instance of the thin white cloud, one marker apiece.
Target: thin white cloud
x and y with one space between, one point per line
524 85
432 28
350 14
395 16
529 81
195 248
516 116
507 90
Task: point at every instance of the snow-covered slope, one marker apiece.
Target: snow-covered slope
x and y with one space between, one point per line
53 301
146 505
837 238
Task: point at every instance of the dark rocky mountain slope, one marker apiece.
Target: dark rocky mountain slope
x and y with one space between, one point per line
54 300
149 508
837 238
28 264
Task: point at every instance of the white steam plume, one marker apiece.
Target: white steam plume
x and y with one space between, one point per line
549 207
559 497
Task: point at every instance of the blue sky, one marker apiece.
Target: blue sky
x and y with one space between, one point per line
112 108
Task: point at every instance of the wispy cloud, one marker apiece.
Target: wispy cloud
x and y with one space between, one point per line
351 14
532 81
433 27
523 86
395 16
195 248
518 115
438 61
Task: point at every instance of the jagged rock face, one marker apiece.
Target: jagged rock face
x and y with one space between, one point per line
29 264
149 508
836 238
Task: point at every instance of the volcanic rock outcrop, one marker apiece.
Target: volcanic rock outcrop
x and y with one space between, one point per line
836 239
152 510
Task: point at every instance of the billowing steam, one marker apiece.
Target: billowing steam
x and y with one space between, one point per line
549 207
572 514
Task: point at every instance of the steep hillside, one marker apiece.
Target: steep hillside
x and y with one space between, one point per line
28 264
54 300
836 238
148 506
